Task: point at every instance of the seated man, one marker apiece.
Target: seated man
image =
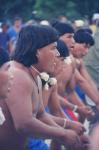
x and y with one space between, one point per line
51 100
22 112
66 33
83 41
64 72
66 83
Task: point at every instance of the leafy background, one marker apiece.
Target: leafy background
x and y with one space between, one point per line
47 9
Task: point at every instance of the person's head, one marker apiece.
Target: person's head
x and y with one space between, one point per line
17 23
83 41
63 49
4 26
88 30
66 33
36 45
64 52
4 56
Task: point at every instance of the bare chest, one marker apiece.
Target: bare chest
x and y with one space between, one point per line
37 97
46 96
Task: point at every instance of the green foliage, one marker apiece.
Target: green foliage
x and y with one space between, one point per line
11 8
87 7
47 9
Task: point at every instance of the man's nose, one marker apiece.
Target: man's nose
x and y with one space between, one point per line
73 41
57 53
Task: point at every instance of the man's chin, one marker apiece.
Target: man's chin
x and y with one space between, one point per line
71 48
52 71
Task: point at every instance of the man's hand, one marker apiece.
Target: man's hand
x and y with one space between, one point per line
71 140
76 126
85 111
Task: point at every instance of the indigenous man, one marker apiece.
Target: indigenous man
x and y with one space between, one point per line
22 113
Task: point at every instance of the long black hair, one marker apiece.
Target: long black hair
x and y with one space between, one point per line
81 36
4 56
62 48
63 28
29 40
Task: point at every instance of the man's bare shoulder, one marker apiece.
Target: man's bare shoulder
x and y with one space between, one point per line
22 77
67 72
17 74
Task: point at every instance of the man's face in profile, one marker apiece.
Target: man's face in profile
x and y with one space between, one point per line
68 40
47 57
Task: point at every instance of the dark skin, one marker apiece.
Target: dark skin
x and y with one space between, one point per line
8 132
78 50
23 107
52 98
66 80
66 87
82 76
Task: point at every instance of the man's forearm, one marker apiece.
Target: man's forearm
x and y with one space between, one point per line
90 91
58 112
46 118
85 74
65 104
37 128
73 97
61 121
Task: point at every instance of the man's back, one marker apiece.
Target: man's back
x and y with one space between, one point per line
9 137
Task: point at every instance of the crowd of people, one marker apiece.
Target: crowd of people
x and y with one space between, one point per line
46 81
